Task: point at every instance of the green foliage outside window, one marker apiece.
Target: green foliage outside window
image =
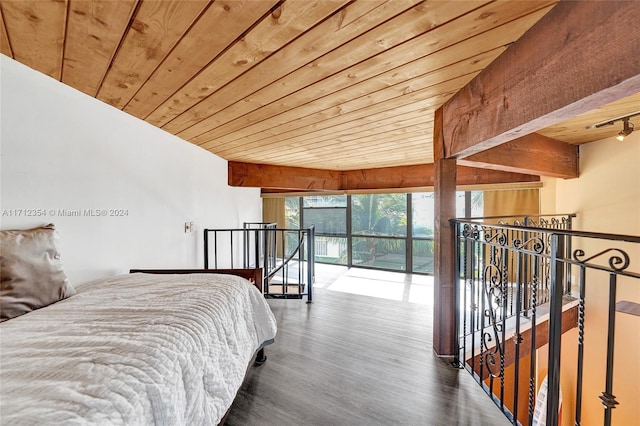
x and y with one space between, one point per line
379 214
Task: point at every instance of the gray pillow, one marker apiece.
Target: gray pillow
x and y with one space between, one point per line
31 272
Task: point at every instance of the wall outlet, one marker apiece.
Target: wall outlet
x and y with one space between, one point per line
188 227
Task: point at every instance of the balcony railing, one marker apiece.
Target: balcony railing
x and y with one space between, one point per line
285 255
522 286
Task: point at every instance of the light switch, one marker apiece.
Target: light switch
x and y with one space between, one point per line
188 227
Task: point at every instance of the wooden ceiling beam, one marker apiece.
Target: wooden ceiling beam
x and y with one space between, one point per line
532 154
269 176
298 178
579 56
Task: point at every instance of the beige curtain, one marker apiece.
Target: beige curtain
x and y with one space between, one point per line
511 202
273 211
516 202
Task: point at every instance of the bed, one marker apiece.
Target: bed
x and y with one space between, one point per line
166 348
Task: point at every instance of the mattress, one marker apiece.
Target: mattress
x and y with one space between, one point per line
133 349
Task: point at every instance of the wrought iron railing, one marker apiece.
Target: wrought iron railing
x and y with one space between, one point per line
520 288
285 255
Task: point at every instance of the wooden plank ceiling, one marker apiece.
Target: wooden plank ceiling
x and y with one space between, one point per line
325 84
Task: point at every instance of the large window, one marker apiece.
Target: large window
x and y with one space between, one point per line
422 219
375 220
381 231
379 214
328 213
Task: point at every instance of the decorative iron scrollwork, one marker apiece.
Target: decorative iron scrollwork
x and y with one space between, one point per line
494 297
535 245
470 232
498 236
617 262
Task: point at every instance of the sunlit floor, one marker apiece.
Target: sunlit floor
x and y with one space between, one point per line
382 284
360 355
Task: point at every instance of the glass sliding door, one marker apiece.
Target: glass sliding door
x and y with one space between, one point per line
328 213
422 220
379 231
382 231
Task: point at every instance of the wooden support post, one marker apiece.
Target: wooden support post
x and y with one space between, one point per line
444 311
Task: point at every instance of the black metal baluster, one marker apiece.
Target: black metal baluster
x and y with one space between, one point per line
301 257
310 262
555 329
537 268
607 397
504 286
463 242
517 338
231 233
473 307
582 284
206 249
215 249
483 319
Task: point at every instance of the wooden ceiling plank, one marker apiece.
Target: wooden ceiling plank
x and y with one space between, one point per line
531 154
275 146
384 145
378 98
446 44
333 122
578 129
358 133
356 128
358 47
413 144
200 87
466 49
294 149
423 90
363 122
364 47
365 160
154 31
219 28
94 31
36 30
560 68
5 42
408 103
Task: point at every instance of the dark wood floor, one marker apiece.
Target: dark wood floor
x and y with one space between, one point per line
351 359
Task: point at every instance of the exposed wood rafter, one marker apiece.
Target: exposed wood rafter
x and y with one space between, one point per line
268 176
298 178
579 56
531 154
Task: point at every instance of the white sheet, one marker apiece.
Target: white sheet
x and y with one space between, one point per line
133 349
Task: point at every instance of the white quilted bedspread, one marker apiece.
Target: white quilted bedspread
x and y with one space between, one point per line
133 349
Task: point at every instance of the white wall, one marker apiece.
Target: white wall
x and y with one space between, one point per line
63 150
606 196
